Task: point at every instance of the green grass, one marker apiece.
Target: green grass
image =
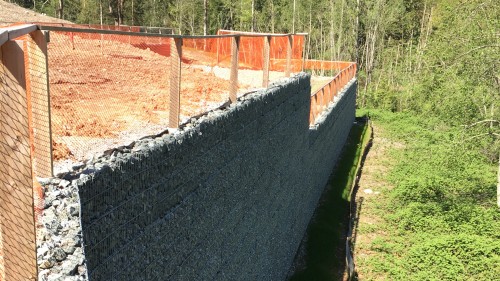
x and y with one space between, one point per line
436 220
325 250
440 219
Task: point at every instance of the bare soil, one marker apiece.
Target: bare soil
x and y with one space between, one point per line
12 13
105 89
106 92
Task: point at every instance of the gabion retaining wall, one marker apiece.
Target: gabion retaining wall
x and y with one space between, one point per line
228 197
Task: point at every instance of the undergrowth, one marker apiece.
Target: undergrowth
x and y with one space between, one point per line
440 220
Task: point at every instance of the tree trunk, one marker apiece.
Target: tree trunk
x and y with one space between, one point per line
332 31
132 18
341 31
179 9
410 67
321 46
370 42
60 11
421 38
272 16
310 30
253 16
205 16
498 182
192 21
357 33
120 12
100 7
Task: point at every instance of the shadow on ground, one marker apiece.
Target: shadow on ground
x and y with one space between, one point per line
322 256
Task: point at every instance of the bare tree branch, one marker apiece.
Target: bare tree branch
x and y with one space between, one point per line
477 136
470 51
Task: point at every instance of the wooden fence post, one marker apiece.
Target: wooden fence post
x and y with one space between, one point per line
37 91
175 82
332 89
289 56
218 42
265 68
304 53
233 79
18 245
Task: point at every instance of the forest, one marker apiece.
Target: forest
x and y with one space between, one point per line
428 74
437 57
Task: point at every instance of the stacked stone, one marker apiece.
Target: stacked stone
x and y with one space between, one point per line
226 197
59 236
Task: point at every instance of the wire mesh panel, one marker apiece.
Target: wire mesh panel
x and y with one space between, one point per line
252 55
17 227
207 84
109 90
106 90
251 52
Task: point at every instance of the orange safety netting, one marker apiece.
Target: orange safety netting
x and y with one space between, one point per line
251 50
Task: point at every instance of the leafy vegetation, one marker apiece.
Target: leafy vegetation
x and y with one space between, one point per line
439 220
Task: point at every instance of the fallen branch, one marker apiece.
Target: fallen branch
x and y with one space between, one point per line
482 121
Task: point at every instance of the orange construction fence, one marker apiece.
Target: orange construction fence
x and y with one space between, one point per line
321 98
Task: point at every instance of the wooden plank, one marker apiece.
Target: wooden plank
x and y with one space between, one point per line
2 252
4 36
39 105
20 30
233 78
118 32
319 64
265 68
259 34
218 58
16 182
175 82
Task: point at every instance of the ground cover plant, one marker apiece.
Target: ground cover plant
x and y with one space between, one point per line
436 217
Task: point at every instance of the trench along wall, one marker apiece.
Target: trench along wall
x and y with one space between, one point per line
228 197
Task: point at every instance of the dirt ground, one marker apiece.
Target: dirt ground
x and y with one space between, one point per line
110 90
11 13
107 91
